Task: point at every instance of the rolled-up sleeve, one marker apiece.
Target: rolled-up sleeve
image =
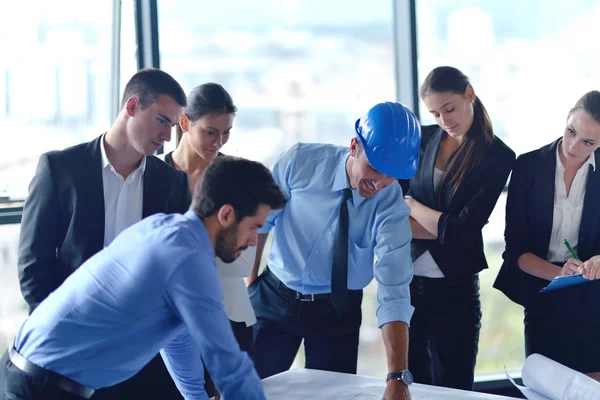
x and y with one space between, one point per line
393 269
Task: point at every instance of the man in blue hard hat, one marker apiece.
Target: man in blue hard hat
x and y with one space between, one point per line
345 223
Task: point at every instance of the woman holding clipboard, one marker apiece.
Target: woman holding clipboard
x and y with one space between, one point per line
552 230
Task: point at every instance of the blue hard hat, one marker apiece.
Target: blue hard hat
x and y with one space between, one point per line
390 134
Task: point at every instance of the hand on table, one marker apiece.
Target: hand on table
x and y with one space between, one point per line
591 268
396 390
571 267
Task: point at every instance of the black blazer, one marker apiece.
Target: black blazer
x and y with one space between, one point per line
529 216
169 158
458 250
63 216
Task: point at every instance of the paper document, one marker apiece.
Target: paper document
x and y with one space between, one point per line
545 379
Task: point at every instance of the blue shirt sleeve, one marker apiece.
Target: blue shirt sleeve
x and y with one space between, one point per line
194 293
393 269
182 359
281 174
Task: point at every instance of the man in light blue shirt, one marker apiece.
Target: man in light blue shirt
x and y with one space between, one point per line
345 208
154 288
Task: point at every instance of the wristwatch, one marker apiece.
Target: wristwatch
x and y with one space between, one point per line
404 376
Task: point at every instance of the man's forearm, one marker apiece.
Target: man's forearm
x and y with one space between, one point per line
395 340
260 246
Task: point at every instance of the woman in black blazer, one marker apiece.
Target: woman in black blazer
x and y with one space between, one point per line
463 169
554 194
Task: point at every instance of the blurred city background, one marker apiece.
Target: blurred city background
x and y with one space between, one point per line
298 70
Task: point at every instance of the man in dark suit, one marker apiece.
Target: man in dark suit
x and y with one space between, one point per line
82 197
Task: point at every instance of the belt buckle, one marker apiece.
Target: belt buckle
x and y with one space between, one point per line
302 297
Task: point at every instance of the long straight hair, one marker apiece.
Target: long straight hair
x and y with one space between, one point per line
478 138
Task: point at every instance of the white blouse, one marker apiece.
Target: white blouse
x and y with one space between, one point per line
235 293
567 210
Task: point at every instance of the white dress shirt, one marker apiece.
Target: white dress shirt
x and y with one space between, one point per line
567 210
123 198
425 265
235 293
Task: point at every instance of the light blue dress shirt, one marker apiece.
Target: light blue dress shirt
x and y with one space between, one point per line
313 177
154 288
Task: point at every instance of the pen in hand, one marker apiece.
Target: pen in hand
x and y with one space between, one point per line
566 242
576 262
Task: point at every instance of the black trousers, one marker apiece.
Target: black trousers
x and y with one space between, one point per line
243 334
444 331
330 341
564 325
15 385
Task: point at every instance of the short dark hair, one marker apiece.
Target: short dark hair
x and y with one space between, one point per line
207 99
149 84
242 183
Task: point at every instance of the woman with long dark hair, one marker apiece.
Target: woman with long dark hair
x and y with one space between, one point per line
463 169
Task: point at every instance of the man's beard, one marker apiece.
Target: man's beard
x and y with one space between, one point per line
226 244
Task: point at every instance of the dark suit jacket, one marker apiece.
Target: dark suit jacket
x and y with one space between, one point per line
63 216
458 250
529 216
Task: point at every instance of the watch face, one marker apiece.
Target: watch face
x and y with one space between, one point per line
407 377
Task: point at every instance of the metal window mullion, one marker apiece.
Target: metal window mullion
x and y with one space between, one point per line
405 46
115 68
146 22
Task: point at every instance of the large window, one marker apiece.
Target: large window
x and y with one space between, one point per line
55 91
12 307
297 71
529 62
54 82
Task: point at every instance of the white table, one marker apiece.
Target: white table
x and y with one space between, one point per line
311 384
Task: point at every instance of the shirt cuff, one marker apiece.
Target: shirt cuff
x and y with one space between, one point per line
395 310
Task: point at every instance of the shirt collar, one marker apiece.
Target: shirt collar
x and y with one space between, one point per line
106 161
590 161
199 230
340 180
